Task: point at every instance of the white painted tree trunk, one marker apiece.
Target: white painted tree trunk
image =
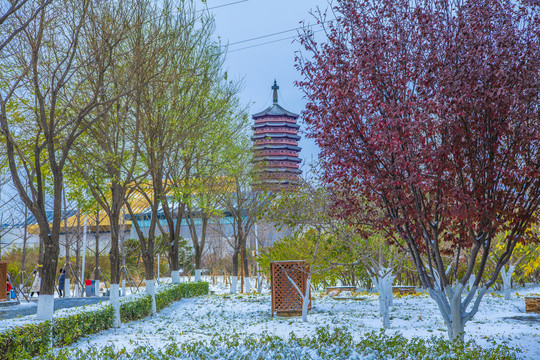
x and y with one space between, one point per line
247 285
305 300
175 277
198 273
507 280
123 287
470 284
234 281
115 302
96 287
383 282
45 307
454 309
67 289
151 290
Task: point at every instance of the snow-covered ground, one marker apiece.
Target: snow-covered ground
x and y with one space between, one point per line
497 322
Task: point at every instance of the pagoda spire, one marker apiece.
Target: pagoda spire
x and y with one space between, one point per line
275 88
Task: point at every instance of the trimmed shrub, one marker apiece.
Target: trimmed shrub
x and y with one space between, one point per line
33 339
24 341
178 291
326 343
136 309
67 330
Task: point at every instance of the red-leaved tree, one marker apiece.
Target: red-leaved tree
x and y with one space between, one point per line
429 111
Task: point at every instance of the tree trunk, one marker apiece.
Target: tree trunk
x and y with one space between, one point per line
198 260
507 281
51 250
67 285
234 279
383 282
306 299
149 275
114 216
174 234
117 196
454 310
245 265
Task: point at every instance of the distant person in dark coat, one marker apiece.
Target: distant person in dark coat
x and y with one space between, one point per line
61 283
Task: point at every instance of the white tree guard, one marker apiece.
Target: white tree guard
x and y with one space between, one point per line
470 284
453 307
383 282
45 307
151 290
175 277
67 289
198 273
234 282
115 302
507 280
305 300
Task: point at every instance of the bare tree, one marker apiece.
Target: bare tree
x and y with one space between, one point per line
241 203
11 13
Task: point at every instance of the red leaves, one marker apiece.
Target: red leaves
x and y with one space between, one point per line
431 117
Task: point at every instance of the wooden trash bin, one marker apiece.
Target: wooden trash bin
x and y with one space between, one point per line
286 301
532 304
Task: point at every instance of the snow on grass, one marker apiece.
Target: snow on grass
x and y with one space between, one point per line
498 321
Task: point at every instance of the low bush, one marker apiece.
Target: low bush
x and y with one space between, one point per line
325 344
135 309
34 339
24 341
180 291
68 329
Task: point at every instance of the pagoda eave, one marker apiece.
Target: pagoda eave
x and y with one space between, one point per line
273 136
277 158
277 147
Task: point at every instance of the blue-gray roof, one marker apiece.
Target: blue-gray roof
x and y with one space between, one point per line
275 110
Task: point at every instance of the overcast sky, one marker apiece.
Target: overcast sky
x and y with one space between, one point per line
258 66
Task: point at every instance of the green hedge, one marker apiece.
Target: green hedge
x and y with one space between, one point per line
67 330
325 343
136 309
180 291
25 341
33 339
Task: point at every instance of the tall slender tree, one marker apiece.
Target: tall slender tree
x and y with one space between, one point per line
105 161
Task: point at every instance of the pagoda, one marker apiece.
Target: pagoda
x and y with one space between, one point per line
275 143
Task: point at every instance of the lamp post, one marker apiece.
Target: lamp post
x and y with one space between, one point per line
84 254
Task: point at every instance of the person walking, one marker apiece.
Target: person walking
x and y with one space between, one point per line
61 283
36 284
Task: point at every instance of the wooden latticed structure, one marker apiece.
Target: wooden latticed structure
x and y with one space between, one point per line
286 301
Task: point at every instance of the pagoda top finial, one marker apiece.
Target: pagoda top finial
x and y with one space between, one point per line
275 88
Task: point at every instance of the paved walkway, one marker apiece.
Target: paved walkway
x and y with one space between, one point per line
25 308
